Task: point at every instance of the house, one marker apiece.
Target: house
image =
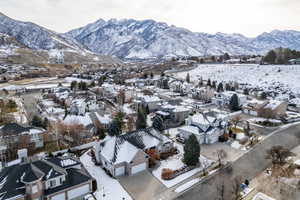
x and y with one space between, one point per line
207 129
56 178
203 93
268 109
223 99
14 133
151 102
127 154
177 113
119 157
295 61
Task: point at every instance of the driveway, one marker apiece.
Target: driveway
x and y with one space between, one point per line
142 186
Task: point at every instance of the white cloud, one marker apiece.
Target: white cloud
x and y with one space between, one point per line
249 17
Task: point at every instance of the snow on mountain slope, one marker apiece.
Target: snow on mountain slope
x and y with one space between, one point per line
37 44
128 38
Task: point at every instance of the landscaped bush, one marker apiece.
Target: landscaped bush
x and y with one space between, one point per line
167 174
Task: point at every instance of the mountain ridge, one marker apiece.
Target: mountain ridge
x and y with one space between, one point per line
143 39
129 38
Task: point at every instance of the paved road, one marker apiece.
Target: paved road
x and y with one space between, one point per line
248 166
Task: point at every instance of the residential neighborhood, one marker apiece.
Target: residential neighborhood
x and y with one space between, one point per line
149 100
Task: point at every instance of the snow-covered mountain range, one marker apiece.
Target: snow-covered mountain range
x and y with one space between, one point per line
130 38
41 44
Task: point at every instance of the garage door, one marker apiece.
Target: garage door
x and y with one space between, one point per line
120 171
138 168
58 197
78 192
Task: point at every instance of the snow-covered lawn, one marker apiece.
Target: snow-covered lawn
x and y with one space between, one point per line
175 162
106 185
274 77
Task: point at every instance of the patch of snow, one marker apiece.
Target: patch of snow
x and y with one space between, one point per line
107 186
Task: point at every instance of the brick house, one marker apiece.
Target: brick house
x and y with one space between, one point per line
56 178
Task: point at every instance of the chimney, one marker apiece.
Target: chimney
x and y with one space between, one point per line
23 155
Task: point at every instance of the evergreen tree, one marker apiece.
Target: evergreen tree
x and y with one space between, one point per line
214 84
119 119
187 79
263 95
234 103
73 85
114 129
220 87
158 123
93 84
191 151
246 91
37 121
270 57
208 82
141 121
226 56
151 75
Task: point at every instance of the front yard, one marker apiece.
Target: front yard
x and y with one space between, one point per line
174 162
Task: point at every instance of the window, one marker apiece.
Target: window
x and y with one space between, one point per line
34 188
52 183
60 180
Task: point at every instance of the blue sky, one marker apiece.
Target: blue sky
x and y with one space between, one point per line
248 17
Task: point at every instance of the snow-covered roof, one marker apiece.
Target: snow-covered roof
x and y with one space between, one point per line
191 129
117 150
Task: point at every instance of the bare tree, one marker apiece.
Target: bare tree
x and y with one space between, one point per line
279 154
236 120
221 154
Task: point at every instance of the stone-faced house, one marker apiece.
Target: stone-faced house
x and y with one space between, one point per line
125 154
57 178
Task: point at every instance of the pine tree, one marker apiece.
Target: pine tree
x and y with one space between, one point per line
158 123
187 79
213 84
234 103
37 121
226 56
151 75
220 87
73 85
208 82
93 84
114 129
191 151
141 121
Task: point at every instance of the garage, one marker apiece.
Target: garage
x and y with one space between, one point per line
138 168
78 192
120 171
58 197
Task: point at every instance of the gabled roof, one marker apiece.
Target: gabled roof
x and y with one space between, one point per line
14 178
123 148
